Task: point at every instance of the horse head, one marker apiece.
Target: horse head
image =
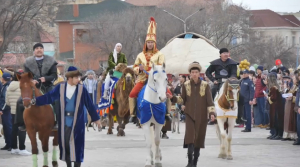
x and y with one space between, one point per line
158 81
231 91
27 89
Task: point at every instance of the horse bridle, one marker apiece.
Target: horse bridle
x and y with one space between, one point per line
233 86
33 99
154 72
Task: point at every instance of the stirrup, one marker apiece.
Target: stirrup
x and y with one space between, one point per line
22 128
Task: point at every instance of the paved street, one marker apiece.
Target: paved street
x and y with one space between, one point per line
101 150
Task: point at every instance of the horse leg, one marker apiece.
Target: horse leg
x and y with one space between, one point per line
223 138
158 156
173 125
120 127
55 148
178 122
111 123
231 122
44 137
32 135
147 132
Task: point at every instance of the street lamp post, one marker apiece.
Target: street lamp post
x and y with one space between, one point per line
298 49
184 21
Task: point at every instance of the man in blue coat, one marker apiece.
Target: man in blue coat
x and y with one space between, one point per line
5 112
71 124
247 91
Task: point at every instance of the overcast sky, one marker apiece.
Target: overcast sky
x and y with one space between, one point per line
275 5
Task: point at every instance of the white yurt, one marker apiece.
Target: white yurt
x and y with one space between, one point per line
186 48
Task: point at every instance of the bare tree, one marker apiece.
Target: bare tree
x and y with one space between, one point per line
17 17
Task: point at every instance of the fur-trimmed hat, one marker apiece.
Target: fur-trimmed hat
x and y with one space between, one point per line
72 72
38 45
195 65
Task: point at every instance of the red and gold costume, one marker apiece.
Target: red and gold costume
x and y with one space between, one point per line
145 58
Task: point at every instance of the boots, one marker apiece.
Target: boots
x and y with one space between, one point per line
190 155
196 156
132 107
77 164
169 107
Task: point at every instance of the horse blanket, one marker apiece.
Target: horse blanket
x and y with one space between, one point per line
225 113
145 109
105 103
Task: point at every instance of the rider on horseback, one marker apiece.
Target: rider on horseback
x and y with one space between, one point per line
44 71
223 68
142 66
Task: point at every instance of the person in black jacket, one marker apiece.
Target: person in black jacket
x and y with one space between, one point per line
223 68
5 112
247 91
44 72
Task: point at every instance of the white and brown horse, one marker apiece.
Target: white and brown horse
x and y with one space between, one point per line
227 109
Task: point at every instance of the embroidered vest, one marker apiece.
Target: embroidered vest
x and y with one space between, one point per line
203 86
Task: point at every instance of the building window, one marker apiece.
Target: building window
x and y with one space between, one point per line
234 41
293 41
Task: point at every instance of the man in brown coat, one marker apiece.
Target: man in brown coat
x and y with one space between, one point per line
196 102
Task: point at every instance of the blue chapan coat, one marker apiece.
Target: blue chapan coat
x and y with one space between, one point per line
78 129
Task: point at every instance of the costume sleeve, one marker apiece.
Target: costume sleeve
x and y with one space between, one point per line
233 71
49 97
111 63
183 95
251 88
209 100
209 72
89 105
52 74
161 59
273 95
136 65
124 59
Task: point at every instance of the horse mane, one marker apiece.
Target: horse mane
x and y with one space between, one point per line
222 101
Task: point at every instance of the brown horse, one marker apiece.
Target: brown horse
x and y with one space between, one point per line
37 119
121 105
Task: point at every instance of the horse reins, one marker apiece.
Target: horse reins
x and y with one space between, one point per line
33 99
234 86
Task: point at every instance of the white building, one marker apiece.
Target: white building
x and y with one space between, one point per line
269 23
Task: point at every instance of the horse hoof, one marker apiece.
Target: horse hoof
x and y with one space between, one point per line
54 164
229 157
109 132
178 132
158 165
152 162
222 156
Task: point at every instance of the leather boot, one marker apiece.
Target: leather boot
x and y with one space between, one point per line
190 155
196 156
169 108
69 164
77 164
132 107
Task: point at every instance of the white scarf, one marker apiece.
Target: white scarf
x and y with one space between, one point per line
115 53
